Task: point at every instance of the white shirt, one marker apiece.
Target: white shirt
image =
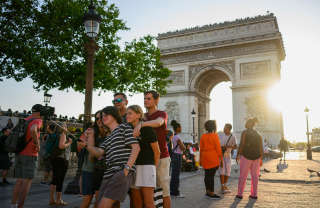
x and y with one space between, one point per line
223 142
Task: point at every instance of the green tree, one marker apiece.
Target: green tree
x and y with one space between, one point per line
44 40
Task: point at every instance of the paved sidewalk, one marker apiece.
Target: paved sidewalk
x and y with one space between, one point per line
292 187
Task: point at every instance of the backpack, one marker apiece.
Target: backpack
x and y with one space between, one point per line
16 141
252 145
50 144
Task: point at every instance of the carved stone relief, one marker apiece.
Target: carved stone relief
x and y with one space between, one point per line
218 35
177 77
255 70
219 53
172 109
257 107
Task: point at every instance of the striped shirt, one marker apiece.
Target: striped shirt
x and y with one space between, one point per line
117 149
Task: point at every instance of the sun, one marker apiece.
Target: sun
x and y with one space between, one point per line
276 97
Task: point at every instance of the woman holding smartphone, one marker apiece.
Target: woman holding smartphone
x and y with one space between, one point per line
143 189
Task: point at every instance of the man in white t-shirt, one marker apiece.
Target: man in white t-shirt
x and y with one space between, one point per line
228 143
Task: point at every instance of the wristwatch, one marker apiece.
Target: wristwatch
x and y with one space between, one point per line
127 167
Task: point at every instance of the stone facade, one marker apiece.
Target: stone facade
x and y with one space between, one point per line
247 52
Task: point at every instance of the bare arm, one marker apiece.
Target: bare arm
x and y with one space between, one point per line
34 135
181 145
135 149
94 151
156 152
153 123
243 135
261 147
62 141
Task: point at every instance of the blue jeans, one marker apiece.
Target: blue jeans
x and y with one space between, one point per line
175 174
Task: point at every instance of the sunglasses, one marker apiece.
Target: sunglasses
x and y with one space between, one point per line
118 100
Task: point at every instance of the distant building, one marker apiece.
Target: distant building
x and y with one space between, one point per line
315 137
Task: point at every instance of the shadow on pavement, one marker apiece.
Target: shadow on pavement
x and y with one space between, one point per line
250 203
235 203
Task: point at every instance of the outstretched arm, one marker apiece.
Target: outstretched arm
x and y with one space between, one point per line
94 151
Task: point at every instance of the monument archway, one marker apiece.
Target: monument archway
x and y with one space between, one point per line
248 52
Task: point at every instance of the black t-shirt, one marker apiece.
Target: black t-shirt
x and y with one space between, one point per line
146 155
2 145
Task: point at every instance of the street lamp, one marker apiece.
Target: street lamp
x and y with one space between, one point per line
309 153
193 115
91 22
47 98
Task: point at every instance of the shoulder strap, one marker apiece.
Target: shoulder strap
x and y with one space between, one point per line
229 139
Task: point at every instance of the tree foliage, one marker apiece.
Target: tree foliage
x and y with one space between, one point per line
44 40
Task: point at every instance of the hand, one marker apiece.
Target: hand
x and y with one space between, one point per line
82 144
221 164
126 172
89 134
238 159
136 130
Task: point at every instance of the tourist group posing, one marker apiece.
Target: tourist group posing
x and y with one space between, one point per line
126 152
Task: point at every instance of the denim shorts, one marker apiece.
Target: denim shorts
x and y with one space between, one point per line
87 183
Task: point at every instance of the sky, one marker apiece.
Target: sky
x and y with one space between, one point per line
298 22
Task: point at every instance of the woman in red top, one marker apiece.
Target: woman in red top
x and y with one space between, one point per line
210 156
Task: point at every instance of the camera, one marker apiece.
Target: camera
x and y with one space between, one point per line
47 111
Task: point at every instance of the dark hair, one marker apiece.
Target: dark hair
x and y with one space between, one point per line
228 125
95 125
210 126
175 125
4 129
114 112
154 94
37 108
120 93
52 127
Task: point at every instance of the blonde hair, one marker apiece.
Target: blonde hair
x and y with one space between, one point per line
137 109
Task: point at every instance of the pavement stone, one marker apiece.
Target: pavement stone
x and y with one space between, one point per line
293 187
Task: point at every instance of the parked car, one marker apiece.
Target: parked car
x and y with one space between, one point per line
315 149
292 149
273 154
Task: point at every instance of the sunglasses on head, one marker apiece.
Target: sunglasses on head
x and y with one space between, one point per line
118 100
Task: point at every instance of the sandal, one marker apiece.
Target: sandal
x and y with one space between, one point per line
61 203
52 203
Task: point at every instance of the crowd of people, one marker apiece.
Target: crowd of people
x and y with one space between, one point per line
129 152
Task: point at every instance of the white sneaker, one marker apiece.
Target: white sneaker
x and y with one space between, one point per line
14 205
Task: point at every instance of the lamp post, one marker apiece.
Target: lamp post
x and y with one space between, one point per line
193 115
47 98
309 152
91 23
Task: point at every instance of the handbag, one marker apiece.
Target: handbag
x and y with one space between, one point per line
158 197
224 148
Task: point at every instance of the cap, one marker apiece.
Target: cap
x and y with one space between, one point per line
37 108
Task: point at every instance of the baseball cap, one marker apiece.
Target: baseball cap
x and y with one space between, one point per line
37 108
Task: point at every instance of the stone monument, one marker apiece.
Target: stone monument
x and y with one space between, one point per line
248 52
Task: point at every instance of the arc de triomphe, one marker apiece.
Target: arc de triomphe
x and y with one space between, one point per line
247 52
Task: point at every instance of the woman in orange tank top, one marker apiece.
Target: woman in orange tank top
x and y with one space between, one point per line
210 156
